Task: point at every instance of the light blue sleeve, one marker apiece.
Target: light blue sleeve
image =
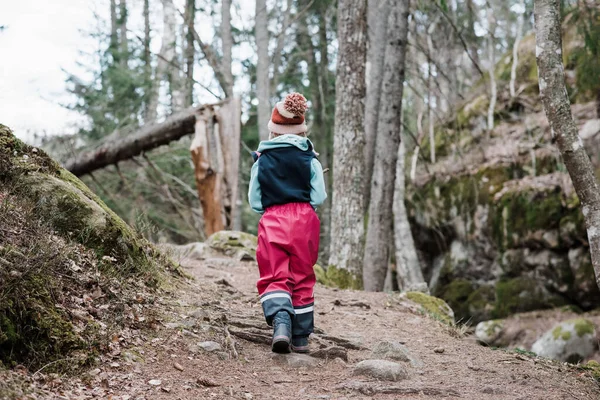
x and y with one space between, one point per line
254 192
318 192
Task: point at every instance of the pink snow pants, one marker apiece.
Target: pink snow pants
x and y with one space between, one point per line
288 248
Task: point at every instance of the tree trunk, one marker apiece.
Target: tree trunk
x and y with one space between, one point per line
114 28
376 22
558 110
189 16
281 41
492 68
430 96
124 56
147 61
227 40
380 233
262 68
166 56
408 268
347 212
205 149
515 63
472 36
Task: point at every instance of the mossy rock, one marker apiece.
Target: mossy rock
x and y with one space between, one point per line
234 244
435 307
456 294
523 294
487 332
64 224
593 367
342 278
569 341
520 211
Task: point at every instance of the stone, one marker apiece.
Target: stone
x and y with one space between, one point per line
240 245
209 346
433 306
330 353
439 350
570 341
590 129
381 369
392 350
295 360
487 332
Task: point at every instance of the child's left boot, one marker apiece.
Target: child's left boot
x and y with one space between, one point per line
300 344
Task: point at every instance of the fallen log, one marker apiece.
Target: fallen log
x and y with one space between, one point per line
119 148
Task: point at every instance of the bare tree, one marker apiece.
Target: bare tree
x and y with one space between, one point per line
376 22
492 67
189 52
430 95
408 268
123 33
227 40
515 63
380 226
558 110
262 67
347 212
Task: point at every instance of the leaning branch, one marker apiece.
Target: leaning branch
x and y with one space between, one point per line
147 138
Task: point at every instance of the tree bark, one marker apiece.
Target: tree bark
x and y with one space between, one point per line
380 233
189 17
515 63
408 268
262 68
377 14
124 56
114 28
347 213
227 40
148 84
430 96
281 41
491 69
557 106
123 147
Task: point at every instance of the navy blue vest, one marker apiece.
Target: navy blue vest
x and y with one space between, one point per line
284 175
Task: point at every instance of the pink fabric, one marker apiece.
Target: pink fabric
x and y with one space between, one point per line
287 129
288 248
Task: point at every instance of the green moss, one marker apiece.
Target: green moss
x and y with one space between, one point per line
481 303
559 333
521 211
521 295
456 294
594 368
582 326
493 327
321 275
433 306
342 278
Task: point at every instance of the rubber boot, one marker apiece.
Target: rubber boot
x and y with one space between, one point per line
300 344
282 332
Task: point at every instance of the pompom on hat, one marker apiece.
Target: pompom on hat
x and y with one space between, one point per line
288 115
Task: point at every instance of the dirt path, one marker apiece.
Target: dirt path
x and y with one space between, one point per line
224 300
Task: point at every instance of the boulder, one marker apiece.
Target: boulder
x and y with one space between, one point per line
240 245
381 369
433 306
392 350
487 332
570 341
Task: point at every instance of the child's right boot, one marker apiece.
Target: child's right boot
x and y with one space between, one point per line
282 332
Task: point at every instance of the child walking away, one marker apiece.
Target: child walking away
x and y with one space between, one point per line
286 186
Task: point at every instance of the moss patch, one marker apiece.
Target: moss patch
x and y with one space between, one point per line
62 242
342 278
433 306
594 368
582 326
559 333
521 295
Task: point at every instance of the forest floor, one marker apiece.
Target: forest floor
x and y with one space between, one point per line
221 305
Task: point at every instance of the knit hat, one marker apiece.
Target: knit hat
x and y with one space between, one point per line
288 115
